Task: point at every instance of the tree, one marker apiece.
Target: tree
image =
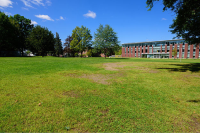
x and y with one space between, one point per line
25 28
118 51
67 46
41 40
58 45
81 39
187 22
89 53
105 38
174 52
8 33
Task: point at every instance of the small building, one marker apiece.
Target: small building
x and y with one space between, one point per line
160 49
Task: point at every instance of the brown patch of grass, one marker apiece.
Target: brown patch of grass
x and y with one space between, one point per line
113 66
72 94
195 124
153 71
98 78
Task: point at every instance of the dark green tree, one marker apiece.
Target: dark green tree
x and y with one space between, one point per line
187 22
41 40
25 28
8 33
58 45
81 39
105 39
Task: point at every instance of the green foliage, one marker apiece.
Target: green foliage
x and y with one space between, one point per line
174 52
58 45
76 54
105 39
118 51
25 27
89 53
41 40
187 22
81 39
28 52
8 33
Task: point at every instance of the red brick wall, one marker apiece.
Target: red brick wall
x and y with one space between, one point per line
126 51
165 48
137 51
129 51
140 51
175 46
186 50
144 49
123 51
197 51
133 51
191 51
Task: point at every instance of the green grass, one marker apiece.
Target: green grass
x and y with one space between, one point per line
81 95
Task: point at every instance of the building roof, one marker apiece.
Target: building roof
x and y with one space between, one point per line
154 41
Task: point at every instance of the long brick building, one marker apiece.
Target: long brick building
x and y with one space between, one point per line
161 49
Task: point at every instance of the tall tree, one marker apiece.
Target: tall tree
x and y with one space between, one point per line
58 45
8 33
187 22
41 40
81 39
67 46
25 28
105 38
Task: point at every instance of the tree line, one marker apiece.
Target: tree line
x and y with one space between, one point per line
18 34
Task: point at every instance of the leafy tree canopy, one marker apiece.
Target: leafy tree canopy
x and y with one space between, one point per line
41 40
8 33
187 22
105 38
81 39
24 27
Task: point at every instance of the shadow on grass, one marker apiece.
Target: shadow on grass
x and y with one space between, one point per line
193 101
193 67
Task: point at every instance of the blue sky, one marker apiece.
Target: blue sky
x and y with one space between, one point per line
129 18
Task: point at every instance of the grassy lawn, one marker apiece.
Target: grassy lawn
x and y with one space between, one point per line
99 95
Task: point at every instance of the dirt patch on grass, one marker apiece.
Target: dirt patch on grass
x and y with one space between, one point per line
195 124
153 71
113 66
72 94
101 78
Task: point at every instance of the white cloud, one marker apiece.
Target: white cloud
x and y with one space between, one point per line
44 17
7 13
48 2
164 19
61 18
33 22
6 3
90 14
25 8
29 3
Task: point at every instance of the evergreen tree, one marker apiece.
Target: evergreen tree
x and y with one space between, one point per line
58 45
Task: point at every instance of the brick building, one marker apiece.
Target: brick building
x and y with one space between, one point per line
161 49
